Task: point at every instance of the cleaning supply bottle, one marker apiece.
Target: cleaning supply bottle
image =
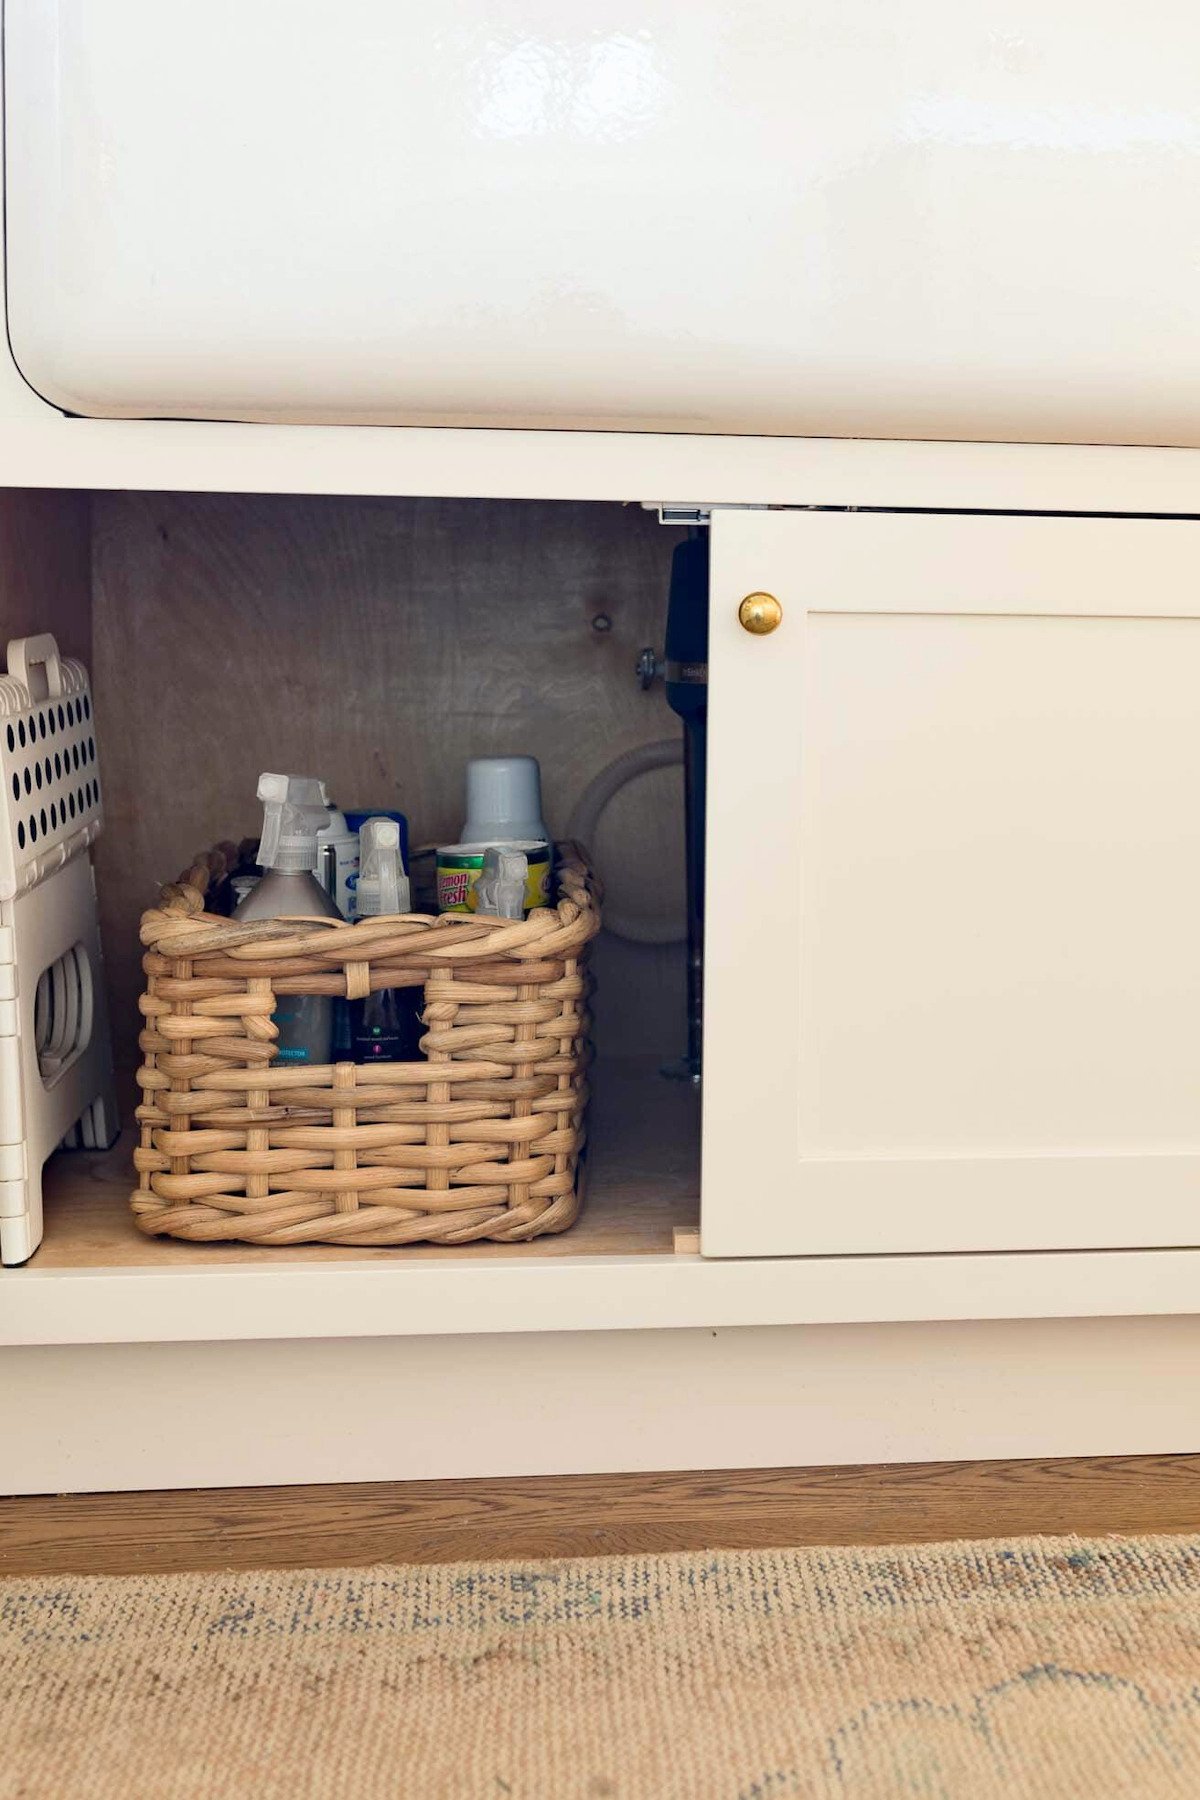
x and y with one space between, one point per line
504 801
337 868
337 872
293 813
386 1025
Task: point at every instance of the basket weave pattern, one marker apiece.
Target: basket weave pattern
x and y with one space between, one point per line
482 1139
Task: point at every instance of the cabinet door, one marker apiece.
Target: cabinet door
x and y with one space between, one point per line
953 936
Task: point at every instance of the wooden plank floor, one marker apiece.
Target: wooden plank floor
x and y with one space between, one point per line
587 1515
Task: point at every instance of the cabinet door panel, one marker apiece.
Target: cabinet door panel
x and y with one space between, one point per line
953 956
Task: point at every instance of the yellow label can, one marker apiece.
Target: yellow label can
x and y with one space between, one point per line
459 867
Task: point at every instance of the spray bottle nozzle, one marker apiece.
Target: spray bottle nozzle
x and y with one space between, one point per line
500 890
383 887
293 813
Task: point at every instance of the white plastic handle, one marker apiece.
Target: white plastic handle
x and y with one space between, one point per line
27 654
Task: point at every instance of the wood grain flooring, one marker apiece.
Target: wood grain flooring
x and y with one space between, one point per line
588 1515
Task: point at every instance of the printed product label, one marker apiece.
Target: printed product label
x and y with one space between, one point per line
454 884
458 873
537 884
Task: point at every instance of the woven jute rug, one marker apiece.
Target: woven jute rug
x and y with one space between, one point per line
1055 1667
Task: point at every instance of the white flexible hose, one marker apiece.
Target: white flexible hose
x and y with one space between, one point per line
666 754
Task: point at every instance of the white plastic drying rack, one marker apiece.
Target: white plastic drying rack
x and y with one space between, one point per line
56 1072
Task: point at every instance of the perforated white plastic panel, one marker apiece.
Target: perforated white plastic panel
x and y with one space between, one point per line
50 801
56 1079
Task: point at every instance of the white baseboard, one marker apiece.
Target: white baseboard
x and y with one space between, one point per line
117 1417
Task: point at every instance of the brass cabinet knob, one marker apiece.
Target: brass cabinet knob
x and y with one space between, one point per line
760 614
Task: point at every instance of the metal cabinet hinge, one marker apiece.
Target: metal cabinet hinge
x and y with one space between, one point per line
671 513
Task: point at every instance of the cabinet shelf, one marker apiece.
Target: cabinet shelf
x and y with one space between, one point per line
95 1280
643 1181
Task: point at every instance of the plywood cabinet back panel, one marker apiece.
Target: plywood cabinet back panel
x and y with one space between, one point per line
380 643
45 567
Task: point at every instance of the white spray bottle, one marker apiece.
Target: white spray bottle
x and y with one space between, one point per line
293 813
337 847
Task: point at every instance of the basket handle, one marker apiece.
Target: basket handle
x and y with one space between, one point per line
41 652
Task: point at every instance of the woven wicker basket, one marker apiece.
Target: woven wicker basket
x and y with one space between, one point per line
482 1139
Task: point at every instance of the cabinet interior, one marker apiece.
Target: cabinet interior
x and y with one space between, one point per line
379 643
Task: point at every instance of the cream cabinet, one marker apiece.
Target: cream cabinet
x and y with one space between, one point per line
953 970
946 1204
917 362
